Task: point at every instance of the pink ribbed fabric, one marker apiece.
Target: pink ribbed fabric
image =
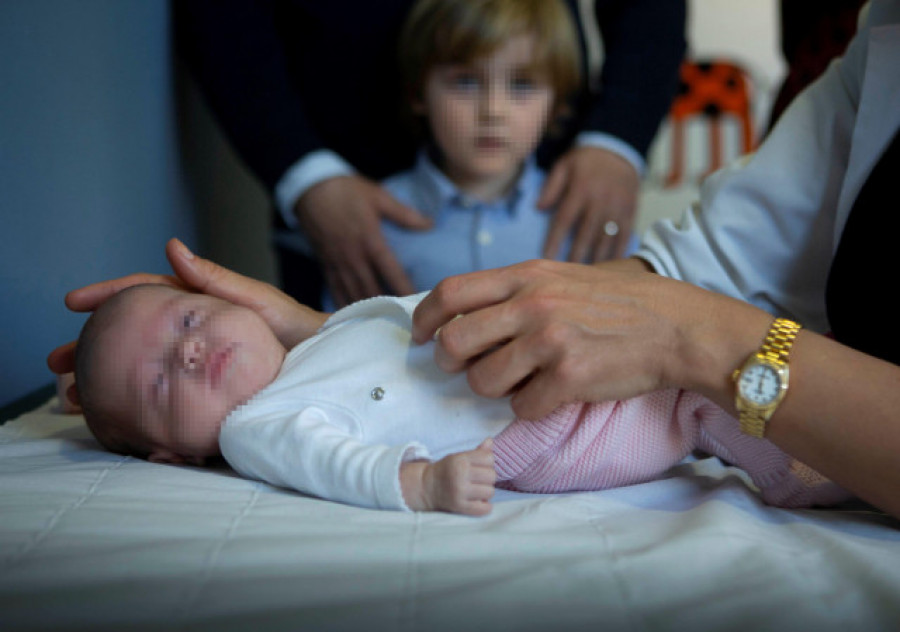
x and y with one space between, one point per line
601 445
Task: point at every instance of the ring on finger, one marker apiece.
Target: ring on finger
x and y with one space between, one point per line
611 228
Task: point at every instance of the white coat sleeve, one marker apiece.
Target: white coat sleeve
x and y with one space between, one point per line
308 452
764 230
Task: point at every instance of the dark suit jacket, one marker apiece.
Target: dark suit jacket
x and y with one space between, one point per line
286 77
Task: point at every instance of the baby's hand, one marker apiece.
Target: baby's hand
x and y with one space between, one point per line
460 483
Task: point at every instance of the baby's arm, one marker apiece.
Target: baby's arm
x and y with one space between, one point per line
460 483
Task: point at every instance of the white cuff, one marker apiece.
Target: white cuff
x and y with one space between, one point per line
616 146
388 491
310 170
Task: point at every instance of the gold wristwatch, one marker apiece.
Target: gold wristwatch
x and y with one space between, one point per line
762 382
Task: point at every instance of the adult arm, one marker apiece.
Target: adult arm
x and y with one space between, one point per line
765 229
776 221
597 181
553 333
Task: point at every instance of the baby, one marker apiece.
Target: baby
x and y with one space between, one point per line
359 414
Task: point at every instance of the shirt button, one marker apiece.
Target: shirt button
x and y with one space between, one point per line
377 393
484 238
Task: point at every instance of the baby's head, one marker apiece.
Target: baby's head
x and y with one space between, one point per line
452 49
158 369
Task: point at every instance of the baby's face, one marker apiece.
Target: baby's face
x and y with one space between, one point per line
178 363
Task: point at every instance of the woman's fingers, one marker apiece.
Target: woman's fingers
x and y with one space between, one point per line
62 359
89 297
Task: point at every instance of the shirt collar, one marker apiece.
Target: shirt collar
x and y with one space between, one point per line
438 192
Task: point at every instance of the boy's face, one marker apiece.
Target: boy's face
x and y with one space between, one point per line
178 363
487 117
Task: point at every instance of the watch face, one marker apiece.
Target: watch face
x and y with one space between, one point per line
760 384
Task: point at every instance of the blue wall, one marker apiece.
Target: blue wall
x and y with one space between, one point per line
90 175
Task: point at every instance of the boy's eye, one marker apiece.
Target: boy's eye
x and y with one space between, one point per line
464 81
523 84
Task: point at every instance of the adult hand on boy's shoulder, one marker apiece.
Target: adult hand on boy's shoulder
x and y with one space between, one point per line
588 188
341 217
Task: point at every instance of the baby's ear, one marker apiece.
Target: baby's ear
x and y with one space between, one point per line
165 456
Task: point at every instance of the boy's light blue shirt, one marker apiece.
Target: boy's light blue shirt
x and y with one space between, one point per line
468 234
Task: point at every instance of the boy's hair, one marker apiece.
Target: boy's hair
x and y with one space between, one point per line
461 31
105 424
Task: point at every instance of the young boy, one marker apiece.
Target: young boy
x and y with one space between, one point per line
360 414
484 80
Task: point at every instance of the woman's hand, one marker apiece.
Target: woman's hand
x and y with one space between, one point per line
551 333
291 321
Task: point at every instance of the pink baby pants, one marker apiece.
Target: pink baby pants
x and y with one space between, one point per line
596 446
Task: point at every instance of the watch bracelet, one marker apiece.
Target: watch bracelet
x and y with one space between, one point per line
779 340
753 423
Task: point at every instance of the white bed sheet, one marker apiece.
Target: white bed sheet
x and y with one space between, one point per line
93 541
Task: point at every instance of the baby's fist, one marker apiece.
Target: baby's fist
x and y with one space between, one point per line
463 482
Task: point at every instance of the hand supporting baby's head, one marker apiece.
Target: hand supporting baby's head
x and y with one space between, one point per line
158 370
